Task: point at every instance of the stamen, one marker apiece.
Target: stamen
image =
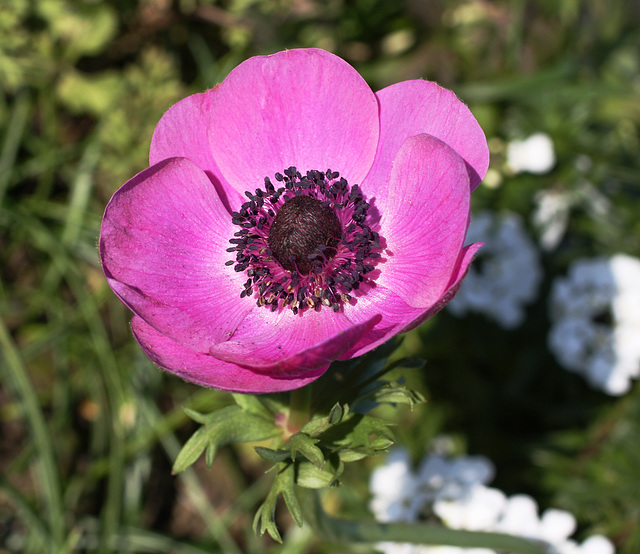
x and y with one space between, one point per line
306 244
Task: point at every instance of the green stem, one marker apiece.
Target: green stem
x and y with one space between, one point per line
299 409
367 531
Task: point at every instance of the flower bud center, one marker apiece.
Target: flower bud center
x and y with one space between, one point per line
303 229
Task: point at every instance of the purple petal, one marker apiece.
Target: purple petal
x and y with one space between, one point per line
424 220
208 371
466 257
397 316
162 245
302 108
288 344
183 132
416 107
395 312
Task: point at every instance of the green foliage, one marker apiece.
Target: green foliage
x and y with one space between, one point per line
90 429
313 457
228 425
283 484
599 471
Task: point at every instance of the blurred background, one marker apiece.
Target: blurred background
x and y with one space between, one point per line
537 379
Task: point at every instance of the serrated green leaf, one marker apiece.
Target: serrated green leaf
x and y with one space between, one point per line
338 413
252 404
395 393
228 425
273 455
283 484
316 426
191 450
363 431
303 443
349 455
291 501
319 425
387 393
348 377
311 477
381 443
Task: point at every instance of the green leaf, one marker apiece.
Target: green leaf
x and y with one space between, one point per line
349 455
252 404
196 416
192 450
210 454
365 432
303 443
311 477
283 484
228 425
393 393
316 426
273 455
319 425
347 378
338 413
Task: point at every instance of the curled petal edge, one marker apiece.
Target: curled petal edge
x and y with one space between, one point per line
309 359
207 371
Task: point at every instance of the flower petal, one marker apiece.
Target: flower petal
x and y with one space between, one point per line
415 107
397 316
162 245
183 132
208 371
303 108
288 344
466 257
425 220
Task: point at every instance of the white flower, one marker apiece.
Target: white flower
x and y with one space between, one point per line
476 510
393 488
455 490
595 312
551 216
520 517
553 210
556 526
535 154
597 544
506 274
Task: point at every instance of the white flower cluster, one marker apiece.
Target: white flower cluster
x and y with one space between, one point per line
455 492
551 216
506 274
534 154
595 313
553 209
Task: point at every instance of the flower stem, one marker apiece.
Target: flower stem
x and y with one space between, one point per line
299 409
366 531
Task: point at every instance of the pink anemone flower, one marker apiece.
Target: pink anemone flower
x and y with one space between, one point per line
291 217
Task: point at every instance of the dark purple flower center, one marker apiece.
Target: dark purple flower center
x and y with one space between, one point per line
300 228
306 243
